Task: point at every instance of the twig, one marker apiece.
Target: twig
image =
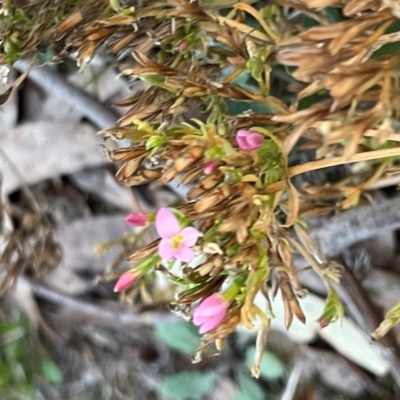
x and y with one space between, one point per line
333 237
364 313
293 380
103 314
332 162
100 115
336 234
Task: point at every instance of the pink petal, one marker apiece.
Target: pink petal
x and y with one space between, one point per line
210 302
184 254
199 319
125 280
241 141
248 140
255 140
211 324
136 219
243 133
209 167
190 236
210 307
166 224
212 311
183 45
165 250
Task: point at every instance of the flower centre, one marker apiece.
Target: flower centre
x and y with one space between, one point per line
176 241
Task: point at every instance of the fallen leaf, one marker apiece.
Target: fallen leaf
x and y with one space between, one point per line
42 150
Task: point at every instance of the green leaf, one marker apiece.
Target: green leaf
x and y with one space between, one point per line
256 67
333 14
270 366
389 48
249 388
187 385
51 372
5 375
181 336
10 326
154 142
333 309
238 107
308 22
318 97
147 263
394 27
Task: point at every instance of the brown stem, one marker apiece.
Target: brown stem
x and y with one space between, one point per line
100 313
331 162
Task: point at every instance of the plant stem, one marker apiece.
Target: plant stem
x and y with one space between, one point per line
331 162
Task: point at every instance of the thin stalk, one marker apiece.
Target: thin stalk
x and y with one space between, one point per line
331 162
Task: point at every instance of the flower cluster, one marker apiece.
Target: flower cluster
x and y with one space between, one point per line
329 89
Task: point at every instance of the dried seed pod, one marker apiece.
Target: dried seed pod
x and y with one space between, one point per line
151 174
212 180
70 22
146 251
168 175
188 158
136 180
212 199
128 169
127 154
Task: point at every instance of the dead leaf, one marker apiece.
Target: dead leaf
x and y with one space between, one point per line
42 150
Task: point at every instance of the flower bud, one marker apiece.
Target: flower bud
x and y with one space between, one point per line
136 219
183 45
248 140
210 313
125 280
209 167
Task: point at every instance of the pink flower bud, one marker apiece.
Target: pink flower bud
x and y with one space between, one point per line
248 140
183 45
210 313
136 219
323 323
125 280
209 167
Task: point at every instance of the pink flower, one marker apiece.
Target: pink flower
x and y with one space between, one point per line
125 280
249 141
183 45
176 243
209 167
210 313
136 219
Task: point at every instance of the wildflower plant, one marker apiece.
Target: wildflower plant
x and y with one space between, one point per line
269 82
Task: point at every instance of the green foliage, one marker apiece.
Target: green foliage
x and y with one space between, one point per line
333 14
333 309
238 107
51 373
23 362
179 335
249 388
315 98
187 385
271 367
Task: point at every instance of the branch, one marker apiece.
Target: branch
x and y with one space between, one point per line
340 232
100 115
101 313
